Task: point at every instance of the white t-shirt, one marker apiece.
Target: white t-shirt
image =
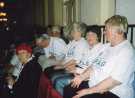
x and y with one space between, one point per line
117 62
57 48
75 50
89 56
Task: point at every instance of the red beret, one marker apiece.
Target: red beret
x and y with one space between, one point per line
24 47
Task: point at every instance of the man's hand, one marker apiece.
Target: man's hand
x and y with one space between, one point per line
82 93
52 57
70 62
70 66
56 67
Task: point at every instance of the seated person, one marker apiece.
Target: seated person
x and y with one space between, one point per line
93 38
26 86
54 50
112 73
16 65
56 31
74 50
76 47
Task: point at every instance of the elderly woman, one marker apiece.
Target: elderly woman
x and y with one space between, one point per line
112 73
26 86
75 51
78 45
95 48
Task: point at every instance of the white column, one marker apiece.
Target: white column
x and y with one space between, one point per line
46 12
107 9
58 12
78 10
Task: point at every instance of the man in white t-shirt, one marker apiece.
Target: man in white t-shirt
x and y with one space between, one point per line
111 74
56 31
54 50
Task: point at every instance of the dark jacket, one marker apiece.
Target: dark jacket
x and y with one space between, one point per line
27 84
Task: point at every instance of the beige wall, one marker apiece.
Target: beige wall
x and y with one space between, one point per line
56 12
88 11
96 11
127 9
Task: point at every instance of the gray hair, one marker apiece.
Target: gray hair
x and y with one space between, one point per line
43 37
56 28
79 27
118 22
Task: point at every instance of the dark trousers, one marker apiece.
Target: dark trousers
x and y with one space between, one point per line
50 71
69 92
105 95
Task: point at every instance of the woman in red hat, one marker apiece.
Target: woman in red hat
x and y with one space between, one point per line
26 86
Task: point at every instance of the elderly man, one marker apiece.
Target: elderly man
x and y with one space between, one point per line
54 52
112 73
52 46
56 31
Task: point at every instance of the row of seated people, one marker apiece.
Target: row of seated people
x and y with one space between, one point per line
84 68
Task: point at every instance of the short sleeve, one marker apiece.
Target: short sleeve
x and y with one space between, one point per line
123 68
79 51
59 48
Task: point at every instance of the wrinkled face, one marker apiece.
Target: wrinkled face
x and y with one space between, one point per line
23 56
92 38
76 35
50 33
56 34
110 35
42 43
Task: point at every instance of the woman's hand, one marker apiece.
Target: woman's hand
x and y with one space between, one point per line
10 81
76 81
